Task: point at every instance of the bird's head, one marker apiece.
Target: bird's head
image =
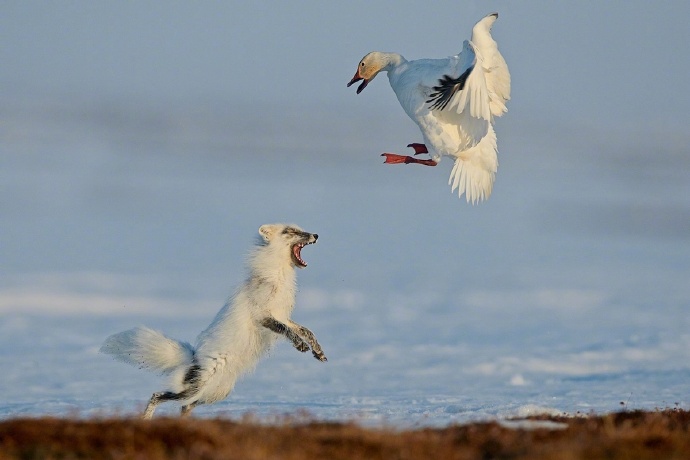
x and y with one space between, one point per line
368 68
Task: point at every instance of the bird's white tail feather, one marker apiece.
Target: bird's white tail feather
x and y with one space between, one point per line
148 349
475 170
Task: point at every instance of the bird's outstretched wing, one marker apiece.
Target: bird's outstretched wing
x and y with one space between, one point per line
495 69
464 92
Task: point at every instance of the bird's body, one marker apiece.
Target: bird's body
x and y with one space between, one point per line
454 102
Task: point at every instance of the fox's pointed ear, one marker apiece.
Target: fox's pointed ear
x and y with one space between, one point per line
267 231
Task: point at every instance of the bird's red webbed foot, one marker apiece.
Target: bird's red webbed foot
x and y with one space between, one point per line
393 158
418 148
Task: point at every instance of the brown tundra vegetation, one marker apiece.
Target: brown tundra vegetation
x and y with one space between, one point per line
662 434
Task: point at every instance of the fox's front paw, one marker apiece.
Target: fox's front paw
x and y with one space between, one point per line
302 346
319 355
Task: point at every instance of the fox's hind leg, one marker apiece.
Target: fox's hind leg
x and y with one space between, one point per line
187 408
151 406
163 396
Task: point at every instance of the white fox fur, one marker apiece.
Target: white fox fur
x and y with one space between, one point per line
241 333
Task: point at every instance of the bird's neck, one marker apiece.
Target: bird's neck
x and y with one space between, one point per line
391 61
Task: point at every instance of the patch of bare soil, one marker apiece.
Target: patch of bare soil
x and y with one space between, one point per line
626 435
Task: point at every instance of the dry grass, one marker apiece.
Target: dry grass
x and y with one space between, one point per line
626 435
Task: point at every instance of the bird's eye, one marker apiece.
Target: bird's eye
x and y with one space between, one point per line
362 64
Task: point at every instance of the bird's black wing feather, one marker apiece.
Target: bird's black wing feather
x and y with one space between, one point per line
446 89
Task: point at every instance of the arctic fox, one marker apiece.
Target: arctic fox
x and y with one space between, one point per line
241 333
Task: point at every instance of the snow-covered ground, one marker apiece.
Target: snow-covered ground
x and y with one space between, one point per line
567 291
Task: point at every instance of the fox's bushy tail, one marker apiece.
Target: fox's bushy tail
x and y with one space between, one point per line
148 349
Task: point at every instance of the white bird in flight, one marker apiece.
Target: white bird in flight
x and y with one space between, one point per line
454 102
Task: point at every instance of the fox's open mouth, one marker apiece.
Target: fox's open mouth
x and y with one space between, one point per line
297 254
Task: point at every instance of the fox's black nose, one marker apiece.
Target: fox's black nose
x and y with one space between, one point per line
316 237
